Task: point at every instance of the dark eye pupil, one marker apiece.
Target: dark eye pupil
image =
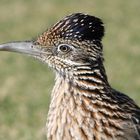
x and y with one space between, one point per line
64 48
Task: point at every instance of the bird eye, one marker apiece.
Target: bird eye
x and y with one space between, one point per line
63 48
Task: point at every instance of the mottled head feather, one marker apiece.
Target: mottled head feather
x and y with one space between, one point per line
77 26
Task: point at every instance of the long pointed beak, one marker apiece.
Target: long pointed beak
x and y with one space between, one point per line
25 47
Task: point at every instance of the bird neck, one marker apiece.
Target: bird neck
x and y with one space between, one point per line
90 77
71 101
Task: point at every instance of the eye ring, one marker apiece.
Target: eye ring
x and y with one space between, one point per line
63 48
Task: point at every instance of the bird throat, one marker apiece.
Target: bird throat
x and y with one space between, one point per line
73 112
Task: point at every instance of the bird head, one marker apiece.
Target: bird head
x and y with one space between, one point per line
73 41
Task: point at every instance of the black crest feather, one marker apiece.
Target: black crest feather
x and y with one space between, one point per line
80 26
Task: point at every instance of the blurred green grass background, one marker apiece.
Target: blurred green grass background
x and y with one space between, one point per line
25 84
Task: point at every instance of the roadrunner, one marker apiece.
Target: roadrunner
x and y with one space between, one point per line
83 104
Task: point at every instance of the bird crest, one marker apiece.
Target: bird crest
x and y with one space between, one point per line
76 26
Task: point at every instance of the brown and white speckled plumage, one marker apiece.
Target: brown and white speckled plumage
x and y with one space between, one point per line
83 104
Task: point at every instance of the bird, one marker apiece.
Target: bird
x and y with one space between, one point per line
83 104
